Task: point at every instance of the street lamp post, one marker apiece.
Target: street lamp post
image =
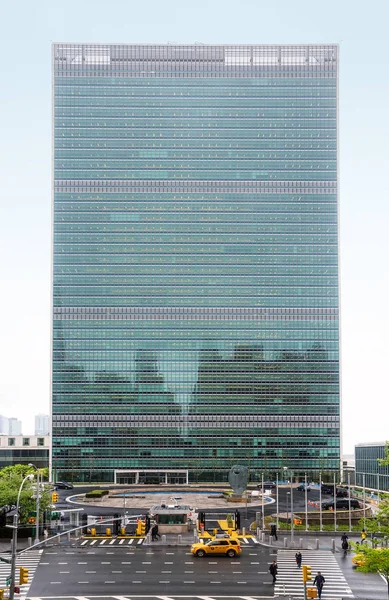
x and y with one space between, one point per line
291 505
37 502
15 538
287 506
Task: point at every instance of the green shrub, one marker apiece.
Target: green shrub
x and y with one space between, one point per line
96 493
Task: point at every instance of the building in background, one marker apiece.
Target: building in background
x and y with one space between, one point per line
4 425
195 285
17 449
14 426
368 473
42 424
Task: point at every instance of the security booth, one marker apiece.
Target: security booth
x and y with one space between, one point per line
172 518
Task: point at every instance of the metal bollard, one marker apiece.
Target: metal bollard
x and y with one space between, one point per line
332 545
270 540
30 541
258 533
285 542
179 539
195 536
243 530
317 543
263 536
45 534
300 543
163 538
68 536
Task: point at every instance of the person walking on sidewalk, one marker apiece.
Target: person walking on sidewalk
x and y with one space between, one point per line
273 571
273 532
319 581
363 536
299 558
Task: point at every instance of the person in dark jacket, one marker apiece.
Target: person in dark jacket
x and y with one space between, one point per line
319 581
299 558
273 532
273 571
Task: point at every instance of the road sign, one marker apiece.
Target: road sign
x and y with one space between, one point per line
8 580
6 560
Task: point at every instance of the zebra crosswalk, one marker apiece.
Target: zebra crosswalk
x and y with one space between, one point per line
290 581
29 560
244 541
112 542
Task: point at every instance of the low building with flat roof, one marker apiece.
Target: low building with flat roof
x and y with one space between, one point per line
368 472
23 449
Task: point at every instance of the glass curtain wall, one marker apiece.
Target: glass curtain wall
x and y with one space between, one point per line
195 283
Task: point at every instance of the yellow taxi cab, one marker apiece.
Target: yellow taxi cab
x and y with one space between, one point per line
226 547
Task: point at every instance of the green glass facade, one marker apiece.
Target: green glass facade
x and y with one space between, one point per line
195 270
368 472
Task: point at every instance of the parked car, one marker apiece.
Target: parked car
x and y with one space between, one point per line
341 504
63 485
301 487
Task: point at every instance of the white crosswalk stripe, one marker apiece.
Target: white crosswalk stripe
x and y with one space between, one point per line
290 580
29 560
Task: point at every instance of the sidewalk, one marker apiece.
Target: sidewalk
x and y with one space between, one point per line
307 541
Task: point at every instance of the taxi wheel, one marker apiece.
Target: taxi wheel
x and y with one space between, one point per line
200 553
230 553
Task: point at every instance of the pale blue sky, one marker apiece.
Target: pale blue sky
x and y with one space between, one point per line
28 28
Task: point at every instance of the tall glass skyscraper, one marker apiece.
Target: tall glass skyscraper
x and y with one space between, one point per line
195 271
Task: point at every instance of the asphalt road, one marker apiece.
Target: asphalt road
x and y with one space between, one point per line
155 571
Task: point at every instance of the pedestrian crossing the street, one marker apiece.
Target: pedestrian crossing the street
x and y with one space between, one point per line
290 580
29 560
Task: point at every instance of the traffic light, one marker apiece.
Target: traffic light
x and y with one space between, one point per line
141 528
307 573
54 497
23 575
1 594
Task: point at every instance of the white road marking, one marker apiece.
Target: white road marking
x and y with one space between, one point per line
102 542
116 571
121 542
105 563
55 582
189 582
136 582
94 542
109 582
130 541
82 581
187 572
82 563
85 542
113 541
126 562
140 541
63 563
90 571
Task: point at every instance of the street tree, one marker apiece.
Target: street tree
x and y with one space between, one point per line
10 480
384 462
375 560
380 522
